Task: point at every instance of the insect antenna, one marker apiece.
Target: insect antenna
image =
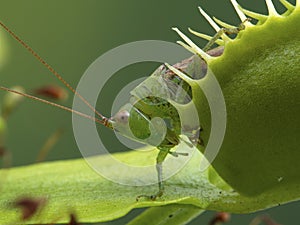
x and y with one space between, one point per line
53 104
105 121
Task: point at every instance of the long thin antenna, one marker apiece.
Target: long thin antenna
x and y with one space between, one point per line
103 122
41 60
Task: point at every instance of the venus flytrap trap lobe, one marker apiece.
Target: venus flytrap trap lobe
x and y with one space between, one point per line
267 111
261 95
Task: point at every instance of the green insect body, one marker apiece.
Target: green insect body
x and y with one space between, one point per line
151 99
259 78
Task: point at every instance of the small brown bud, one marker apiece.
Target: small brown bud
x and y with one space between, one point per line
52 91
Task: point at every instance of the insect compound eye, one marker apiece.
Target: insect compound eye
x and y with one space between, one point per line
122 116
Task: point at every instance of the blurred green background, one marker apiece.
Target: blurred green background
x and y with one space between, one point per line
70 35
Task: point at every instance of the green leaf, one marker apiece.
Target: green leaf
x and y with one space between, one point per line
72 186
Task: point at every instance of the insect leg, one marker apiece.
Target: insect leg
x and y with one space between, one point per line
176 154
214 39
159 160
224 30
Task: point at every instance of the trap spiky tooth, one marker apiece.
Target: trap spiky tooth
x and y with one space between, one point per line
271 8
193 46
183 76
260 17
209 19
238 10
223 24
206 37
213 24
287 5
187 47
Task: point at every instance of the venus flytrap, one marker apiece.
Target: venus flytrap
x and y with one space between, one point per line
258 72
